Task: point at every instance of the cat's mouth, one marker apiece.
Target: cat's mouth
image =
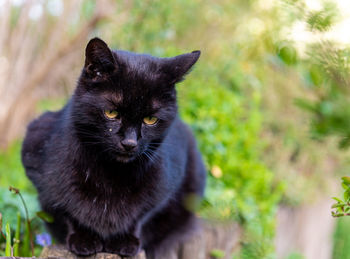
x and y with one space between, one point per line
125 157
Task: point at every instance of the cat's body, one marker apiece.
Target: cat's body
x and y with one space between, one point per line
116 166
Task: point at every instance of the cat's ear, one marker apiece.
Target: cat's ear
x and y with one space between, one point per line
99 59
177 67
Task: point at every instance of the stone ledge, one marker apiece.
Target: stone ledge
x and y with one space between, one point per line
58 252
223 236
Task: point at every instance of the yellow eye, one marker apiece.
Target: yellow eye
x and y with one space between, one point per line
111 114
151 120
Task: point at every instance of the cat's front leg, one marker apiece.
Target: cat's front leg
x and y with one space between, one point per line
83 242
123 244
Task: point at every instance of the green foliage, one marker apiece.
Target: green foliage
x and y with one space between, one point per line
11 170
156 26
11 204
52 104
227 127
341 249
22 226
326 74
328 79
342 206
323 19
12 173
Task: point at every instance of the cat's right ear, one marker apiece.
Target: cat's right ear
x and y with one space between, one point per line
99 60
177 67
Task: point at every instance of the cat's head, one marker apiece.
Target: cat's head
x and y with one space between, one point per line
125 102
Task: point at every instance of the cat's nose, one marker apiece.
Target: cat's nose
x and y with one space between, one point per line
129 144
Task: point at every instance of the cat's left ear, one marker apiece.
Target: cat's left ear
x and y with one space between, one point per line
99 59
177 67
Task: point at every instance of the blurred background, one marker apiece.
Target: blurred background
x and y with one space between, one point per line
268 102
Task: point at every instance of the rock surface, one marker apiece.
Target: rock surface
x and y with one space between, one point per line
55 252
222 236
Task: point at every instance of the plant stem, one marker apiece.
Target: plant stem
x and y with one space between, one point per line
28 223
16 191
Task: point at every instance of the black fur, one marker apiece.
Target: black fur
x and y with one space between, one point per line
106 195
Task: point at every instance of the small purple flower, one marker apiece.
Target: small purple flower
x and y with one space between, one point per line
43 239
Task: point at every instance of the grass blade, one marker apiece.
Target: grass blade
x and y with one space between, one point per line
17 236
8 240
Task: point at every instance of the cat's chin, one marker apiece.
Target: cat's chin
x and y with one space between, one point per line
125 158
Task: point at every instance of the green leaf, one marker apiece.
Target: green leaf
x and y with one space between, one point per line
337 199
337 205
217 253
288 55
45 216
339 209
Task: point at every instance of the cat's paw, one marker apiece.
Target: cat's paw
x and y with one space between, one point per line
127 245
84 245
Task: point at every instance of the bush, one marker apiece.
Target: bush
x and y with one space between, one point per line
227 125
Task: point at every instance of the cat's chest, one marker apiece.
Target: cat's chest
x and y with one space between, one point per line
115 199
111 204
106 210
111 194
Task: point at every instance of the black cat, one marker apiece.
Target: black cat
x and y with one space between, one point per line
116 166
